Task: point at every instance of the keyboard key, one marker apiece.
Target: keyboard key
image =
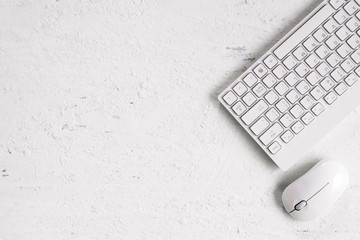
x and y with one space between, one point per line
302 70
271 97
273 132
318 109
293 96
300 53
307 118
272 114
336 3
322 51
313 78
333 59
357 71
297 127
356 56
344 50
258 109
331 25
279 71
282 105
274 147
351 7
307 102
303 31
327 84
269 80
317 93
343 33
296 111
240 89
310 44
229 98
352 24
290 62
330 97
291 79
281 88
332 42
287 136
239 108
341 16
337 74
259 126
260 70
351 79
354 41
303 87
270 61
250 79
312 60
323 69
249 98
286 120
259 90
320 35
340 89
347 65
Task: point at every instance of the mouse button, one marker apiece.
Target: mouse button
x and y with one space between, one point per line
300 205
340 181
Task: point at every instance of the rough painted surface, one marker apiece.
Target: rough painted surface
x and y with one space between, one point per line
110 127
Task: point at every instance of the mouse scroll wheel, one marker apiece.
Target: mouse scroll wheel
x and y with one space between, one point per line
300 205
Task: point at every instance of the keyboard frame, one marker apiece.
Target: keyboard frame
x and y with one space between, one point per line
322 124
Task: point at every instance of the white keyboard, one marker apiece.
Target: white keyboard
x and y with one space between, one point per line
303 86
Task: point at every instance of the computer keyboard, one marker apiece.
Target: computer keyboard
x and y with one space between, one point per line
303 86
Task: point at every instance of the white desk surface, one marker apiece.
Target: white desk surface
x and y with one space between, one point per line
110 126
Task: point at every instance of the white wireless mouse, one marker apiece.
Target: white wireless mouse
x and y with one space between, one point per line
314 192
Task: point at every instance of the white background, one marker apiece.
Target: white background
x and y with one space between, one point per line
110 127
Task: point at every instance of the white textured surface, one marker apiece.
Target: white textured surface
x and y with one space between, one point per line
110 127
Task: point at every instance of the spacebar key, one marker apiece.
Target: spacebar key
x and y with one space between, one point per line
258 109
301 33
